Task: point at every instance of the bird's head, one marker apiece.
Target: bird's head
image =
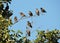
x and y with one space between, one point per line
40 8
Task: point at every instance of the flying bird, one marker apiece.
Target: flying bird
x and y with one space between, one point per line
29 24
15 19
7 7
43 10
28 32
30 13
22 14
37 12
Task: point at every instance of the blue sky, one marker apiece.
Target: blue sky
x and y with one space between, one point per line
48 21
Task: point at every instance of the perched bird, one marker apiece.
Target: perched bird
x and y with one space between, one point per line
22 14
43 10
7 7
29 24
28 32
30 13
7 14
37 12
15 19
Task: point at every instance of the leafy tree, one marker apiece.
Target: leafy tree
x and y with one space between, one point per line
48 36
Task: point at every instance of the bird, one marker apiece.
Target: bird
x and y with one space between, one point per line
7 7
22 14
6 14
28 32
37 12
15 19
30 13
10 13
43 10
29 24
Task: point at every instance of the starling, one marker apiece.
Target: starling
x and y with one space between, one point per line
30 13
22 14
29 24
7 7
28 32
37 12
9 14
43 10
15 19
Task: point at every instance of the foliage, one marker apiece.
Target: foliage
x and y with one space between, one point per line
48 36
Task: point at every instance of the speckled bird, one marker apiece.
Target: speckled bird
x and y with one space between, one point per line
28 32
29 24
22 14
43 10
30 13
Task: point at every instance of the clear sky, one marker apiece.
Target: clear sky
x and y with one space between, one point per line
51 19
